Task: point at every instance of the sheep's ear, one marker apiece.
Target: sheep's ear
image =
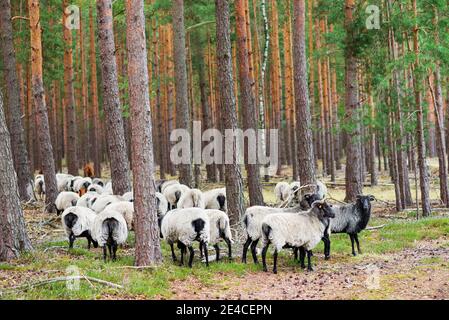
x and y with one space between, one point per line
371 198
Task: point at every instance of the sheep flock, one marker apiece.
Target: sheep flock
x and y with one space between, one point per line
299 221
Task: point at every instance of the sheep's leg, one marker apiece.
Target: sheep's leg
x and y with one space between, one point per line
309 260
253 251
264 257
201 250
302 256
217 251
206 254
356 237
182 248
275 259
71 240
295 254
327 247
173 252
228 242
245 249
352 244
191 256
104 253
114 251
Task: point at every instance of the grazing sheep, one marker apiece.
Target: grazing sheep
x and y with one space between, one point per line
100 203
252 222
110 231
95 188
173 193
352 218
183 226
65 200
216 199
78 223
129 196
98 181
161 185
70 183
126 209
293 230
85 199
281 191
62 181
192 198
220 229
39 186
81 185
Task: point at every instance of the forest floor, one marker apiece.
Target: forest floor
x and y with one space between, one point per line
404 259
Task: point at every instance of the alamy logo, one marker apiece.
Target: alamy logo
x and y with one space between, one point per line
72 20
373 20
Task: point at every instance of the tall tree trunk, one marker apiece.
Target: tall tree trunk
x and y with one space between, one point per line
19 150
71 152
353 157
46 149
13 235
304 141
111 102
420 141
248 103
148 250
233 176
182 100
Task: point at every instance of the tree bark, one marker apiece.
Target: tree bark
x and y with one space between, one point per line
233 175
247 99
46 149
304 142
13 235
111 102
148 250
19 149
182 100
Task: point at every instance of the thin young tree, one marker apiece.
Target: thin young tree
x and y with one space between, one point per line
247 100
305 153
111 101
37 84
18 144
233 175
148 250
182 98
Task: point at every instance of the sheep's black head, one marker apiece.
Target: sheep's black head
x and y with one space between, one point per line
364 202
222 202
308 199
323 209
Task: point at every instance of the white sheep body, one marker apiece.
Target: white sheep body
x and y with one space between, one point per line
100 232
95 188
211 199
84 223
192 198
165 184
281 191
219 225
103 201
162 207
82 183
85 199
62 181
39 186
129 196
126 209
108 188
65 200
171 192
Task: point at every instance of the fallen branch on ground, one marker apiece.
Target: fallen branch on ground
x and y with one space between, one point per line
375 227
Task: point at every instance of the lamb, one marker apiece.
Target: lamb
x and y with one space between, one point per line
95 188
293 230
110 231
100 203
220 229
126 209
84 200
78 223
281 191
173 193
352 219
65 200
39 186
192 198
129 196
216 199
252 222
183 226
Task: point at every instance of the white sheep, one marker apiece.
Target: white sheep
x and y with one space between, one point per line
99 203
39 186
173 193
162 184
162 204
65 200
78 223
293 230
95 188
220 229
81 185
126 209
216 199
70 183
108 188
84 200
110 231
281 191
192 198
98 181
184 226
129 196
62 181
